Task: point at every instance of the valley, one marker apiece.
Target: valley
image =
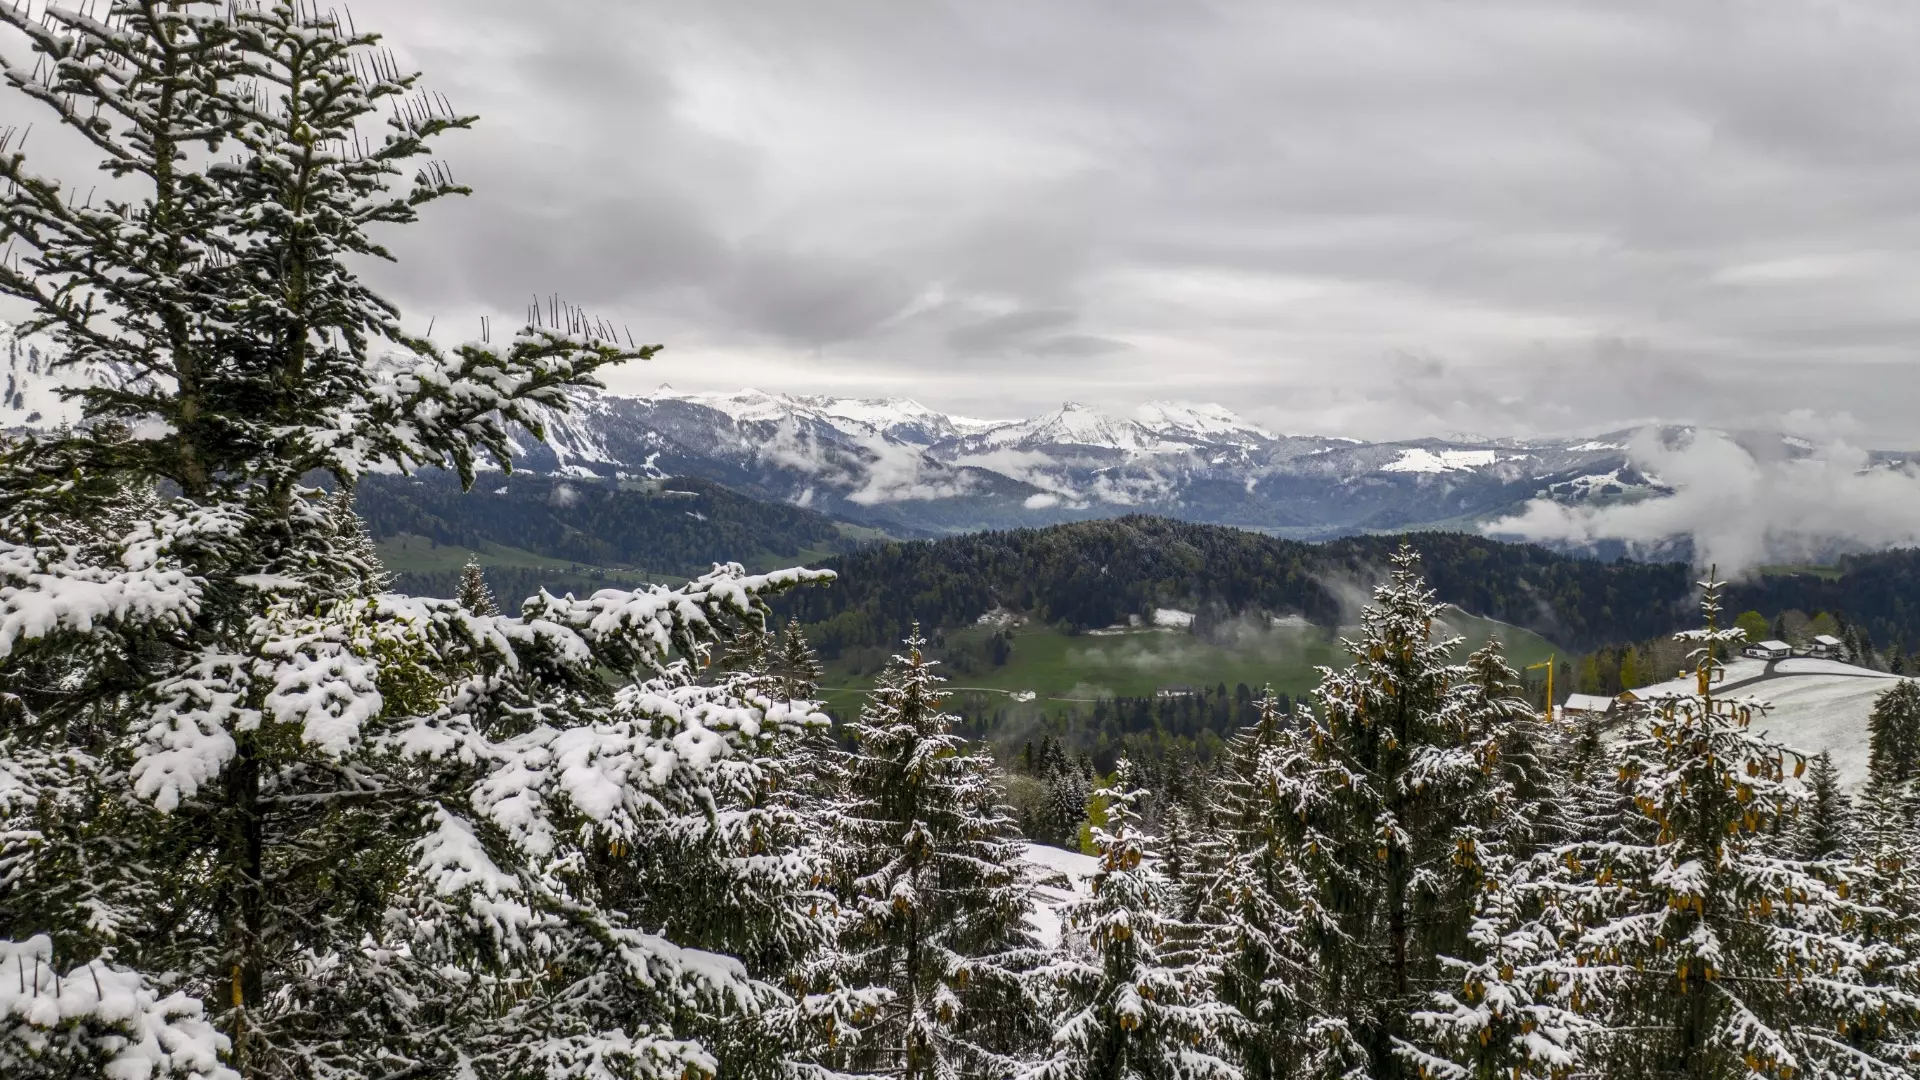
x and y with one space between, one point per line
1047 672
1126 635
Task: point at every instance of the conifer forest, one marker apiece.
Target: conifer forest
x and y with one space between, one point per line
263 817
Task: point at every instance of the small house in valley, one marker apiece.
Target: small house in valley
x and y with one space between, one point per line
1769 650
1824 647
1579 705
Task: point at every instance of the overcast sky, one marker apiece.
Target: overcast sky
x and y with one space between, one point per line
1355 217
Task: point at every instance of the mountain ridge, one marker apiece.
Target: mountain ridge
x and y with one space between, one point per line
898 465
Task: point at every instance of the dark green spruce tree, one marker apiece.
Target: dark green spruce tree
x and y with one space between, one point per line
258 817
1255 904
1132 1003
1893 733
798 667
1389 805
937 896
1822 830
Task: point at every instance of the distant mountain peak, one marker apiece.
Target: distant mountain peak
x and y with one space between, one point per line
1199 418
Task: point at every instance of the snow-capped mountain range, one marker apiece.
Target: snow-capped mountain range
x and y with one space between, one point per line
901 466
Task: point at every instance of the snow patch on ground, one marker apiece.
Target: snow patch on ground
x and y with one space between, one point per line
1808 665
1736 671
1070 864
1060 877
1829 714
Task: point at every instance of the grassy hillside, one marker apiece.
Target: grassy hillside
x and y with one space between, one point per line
1062 669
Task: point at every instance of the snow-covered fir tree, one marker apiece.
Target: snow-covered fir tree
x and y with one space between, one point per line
258 817
1500 1016
1821 830
1256 904
1389 792
1502 817
740 865
799 668
473 593
1180 861
1884 857
1131 1005
1692 944
804 797
816 767
937 896
1893 732
1519 807
359 570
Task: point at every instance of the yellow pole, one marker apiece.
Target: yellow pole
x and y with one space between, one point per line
1548 664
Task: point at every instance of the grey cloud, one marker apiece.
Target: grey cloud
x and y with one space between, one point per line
1078 345
1578 214
1026 334
1003 331
812 298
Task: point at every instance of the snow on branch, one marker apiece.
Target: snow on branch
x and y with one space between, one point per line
100 1016
443 409
44 591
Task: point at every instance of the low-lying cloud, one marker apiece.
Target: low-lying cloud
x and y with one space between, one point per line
1744 507
880 470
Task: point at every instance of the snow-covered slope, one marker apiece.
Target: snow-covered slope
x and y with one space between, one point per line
1421 460
29 385
1200 423
1819 706
1060 877
1071 425
899 418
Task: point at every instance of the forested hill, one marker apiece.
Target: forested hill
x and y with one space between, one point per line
1572 601
1093 574
1879 592
656 527
564 534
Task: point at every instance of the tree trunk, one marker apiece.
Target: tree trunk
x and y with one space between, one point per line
244 843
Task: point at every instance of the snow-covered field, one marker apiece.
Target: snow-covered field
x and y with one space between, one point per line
1818 706
1062 876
